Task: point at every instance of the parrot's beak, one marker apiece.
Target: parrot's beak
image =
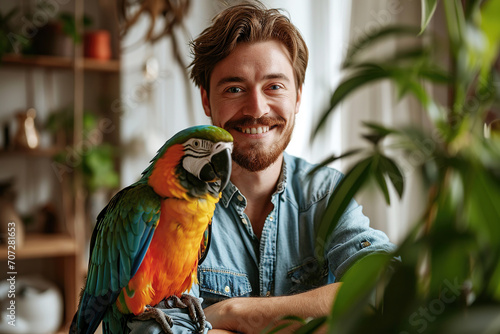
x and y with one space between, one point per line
222 166
218 171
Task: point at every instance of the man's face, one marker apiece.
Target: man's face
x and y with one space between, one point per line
253 95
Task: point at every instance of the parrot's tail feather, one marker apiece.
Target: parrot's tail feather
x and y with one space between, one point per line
91 312
115 322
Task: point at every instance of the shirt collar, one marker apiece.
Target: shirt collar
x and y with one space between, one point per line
228 193
230 190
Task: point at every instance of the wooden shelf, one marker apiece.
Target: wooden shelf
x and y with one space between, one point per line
38 152
42 246
89 64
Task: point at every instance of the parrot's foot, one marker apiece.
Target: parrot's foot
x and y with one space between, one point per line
153 313
194 308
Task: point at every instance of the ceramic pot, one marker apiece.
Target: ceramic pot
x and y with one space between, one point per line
97 44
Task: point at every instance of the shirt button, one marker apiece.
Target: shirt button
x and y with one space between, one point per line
271 218
268 293
244 221
240 198
227 289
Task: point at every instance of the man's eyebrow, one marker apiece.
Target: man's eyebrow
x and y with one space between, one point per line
276 76
229 79
226 80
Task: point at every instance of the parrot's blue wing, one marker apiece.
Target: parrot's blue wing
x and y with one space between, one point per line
119 243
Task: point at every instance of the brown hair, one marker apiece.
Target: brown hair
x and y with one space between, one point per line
248 22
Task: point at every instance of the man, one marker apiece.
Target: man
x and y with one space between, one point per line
250 66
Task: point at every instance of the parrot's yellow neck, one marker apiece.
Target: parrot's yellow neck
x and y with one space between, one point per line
163 178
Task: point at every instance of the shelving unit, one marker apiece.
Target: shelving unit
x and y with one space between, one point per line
42 152
42 245
62 253
112 66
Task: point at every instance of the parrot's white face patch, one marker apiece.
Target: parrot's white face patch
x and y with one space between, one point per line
199 152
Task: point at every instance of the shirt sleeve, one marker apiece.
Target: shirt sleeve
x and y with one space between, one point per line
352 239
180 317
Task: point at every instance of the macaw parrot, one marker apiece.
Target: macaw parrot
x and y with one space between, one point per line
151 236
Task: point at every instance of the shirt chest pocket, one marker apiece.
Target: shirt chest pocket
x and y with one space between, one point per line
219 284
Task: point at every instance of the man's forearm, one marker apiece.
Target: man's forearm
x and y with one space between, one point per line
251 315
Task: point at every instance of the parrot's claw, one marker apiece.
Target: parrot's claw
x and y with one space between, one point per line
194 308
153 313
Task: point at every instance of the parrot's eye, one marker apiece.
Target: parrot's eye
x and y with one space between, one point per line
196 143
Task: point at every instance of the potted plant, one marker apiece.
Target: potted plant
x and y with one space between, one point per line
449 278
93 158
58 37
10 39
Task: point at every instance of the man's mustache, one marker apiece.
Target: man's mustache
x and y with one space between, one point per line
249 121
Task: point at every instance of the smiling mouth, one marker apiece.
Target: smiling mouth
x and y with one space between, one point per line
254 130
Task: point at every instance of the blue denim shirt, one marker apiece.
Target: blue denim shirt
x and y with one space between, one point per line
283 261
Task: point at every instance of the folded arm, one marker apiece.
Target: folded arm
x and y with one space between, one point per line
253 314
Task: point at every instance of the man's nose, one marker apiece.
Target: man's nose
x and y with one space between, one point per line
257 104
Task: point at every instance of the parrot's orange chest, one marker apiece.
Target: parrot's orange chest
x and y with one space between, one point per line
169 266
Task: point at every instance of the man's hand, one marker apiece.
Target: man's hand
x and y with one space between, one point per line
253 314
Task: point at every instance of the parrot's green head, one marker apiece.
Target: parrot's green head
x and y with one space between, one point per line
193 163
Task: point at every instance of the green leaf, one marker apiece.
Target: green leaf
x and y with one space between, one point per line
380 129
332 159
341 197
392 170
278 328
385 32
494 285
291 319
490 25
456 23
359 79
311 326
294 318
428 9
435 74
407 84
483 196
378 173
357 284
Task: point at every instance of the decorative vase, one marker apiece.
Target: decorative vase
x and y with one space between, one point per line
97 44
39 306
26 136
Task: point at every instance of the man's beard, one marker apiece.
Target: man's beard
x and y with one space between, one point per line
258 157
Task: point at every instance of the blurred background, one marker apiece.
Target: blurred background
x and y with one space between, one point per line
84 105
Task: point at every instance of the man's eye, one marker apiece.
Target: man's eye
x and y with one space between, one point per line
275 87
233 90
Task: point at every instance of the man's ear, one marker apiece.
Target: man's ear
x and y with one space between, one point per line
205 102
299 99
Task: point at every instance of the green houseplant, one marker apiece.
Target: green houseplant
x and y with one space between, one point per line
94 159
449 278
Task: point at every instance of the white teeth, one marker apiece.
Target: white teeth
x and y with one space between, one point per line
262 129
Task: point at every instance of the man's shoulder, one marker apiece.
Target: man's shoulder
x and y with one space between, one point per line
308 183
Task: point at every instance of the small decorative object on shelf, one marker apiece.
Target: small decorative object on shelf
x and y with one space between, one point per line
26 136
97 44
39 306
11 225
